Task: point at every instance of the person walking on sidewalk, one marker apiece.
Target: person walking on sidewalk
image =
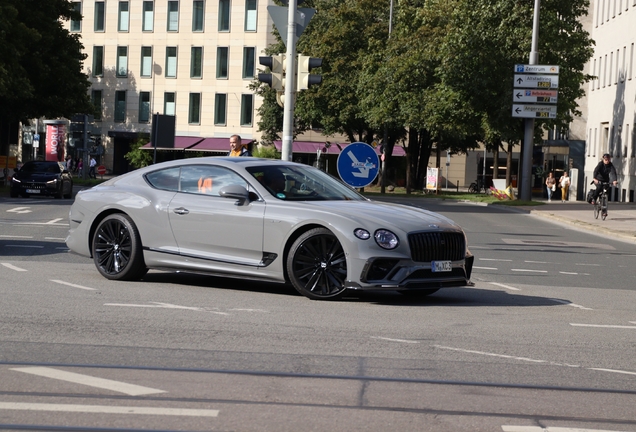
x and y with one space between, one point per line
91 168
564 184
604 172
550 184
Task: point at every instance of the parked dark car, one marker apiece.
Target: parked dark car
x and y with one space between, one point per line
42 178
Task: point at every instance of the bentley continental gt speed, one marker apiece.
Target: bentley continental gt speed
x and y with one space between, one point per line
268 220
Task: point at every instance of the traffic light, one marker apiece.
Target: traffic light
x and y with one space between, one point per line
306 79
276 64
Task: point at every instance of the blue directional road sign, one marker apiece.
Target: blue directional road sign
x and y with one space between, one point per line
358 164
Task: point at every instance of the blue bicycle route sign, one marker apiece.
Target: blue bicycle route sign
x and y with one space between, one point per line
358 164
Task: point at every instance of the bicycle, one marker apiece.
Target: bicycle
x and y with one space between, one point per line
600 205
477 187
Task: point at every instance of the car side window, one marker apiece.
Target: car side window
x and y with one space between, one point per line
208 180
165 179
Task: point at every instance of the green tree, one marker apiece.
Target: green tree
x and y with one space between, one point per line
40 61
137 156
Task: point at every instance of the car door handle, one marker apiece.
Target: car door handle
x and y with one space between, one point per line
181 211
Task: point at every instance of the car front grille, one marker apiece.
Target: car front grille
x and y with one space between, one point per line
34 185
437 246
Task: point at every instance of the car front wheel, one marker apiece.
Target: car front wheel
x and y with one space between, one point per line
117 249
316 265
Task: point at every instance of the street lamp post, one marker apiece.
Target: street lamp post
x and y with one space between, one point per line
528 138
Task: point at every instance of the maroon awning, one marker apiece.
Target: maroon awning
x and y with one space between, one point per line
310 147
180 143
212 144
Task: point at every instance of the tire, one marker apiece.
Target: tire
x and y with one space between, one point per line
317 266
117 250
603 215
70 192
418 293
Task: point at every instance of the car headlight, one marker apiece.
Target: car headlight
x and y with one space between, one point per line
386 239
362 234
52 182
15 180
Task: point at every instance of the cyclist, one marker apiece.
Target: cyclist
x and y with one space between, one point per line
604 172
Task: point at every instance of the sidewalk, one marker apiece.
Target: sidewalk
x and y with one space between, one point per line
620 222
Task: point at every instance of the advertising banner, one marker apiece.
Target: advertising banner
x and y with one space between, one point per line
431 178
55 140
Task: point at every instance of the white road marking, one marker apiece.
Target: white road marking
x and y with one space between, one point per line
25 246
53 221
16 236
614 370
568 273
249 310
493 259
117 386
528 270
102 409
536 262
603 326
512 428
585 264
485 268
505 286
19 210
73 285
504 356
565 302
165 306
12 267
395 340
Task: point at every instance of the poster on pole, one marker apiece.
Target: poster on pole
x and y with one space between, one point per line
431 178
55 140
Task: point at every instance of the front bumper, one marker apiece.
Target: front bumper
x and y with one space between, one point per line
32 188
381 273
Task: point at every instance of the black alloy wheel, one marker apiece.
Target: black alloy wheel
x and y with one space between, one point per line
117 250
317 266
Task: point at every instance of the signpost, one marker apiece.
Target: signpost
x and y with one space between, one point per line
358 164
537 86
101 170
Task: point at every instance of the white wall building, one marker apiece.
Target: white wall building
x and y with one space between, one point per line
190 58
612 94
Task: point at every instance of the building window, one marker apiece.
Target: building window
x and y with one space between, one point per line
198 13
122 61
171 62
196 62
100 11
120 106
123 17
146 61
96 99
248 62
173 16
144 107
194 111
247 104
221 62
76 24
98 61
148 16
224 15
250 15
169 107
220 108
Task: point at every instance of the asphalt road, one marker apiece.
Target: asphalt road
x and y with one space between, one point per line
545 339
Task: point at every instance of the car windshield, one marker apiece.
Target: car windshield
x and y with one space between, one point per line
302 183
41 167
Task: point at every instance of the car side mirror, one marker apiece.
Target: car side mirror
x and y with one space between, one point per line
236 192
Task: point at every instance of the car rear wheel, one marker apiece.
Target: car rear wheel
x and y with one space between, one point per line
117 249
316 265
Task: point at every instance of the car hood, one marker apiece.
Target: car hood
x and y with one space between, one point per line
36 176
388 215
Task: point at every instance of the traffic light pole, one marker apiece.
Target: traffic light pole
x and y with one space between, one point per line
528 137
290 84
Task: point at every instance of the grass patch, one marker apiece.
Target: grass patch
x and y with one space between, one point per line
374 192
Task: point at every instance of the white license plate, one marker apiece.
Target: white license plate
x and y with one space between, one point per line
441 266
36 191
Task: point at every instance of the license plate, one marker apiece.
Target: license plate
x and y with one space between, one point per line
35 191
441 266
